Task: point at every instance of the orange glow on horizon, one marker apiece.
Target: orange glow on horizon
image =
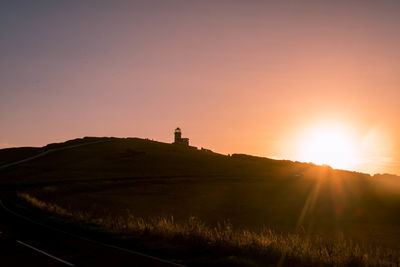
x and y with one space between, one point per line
332 145
341 145
245 77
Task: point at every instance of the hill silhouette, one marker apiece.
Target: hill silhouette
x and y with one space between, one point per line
123 176
134 157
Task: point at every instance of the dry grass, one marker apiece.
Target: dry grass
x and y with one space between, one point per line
264 246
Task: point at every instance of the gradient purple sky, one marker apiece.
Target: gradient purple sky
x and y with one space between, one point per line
236 76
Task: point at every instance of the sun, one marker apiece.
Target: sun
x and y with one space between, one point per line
332 145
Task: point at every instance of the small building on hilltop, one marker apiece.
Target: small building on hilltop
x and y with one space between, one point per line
178 138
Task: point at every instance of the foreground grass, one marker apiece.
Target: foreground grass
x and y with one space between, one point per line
223 241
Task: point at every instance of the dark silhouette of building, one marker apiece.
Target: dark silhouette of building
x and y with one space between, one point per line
178 138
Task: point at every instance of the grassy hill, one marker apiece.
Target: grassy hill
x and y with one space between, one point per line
130 158
147 179
134 157
9 155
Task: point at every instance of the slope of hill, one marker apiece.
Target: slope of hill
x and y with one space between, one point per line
123 158
9 155
124 177
133 157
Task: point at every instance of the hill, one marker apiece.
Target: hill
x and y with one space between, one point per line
124 158
122 177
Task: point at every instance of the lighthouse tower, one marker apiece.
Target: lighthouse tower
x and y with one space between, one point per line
178 135
178 138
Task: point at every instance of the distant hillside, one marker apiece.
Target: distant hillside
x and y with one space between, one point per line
125 158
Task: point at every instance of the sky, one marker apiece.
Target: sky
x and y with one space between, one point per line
254 77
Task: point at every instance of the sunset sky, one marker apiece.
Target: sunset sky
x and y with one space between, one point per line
256 77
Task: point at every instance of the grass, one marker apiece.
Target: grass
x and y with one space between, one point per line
132 187
233 246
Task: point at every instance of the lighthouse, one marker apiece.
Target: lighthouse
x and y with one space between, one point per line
178 138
